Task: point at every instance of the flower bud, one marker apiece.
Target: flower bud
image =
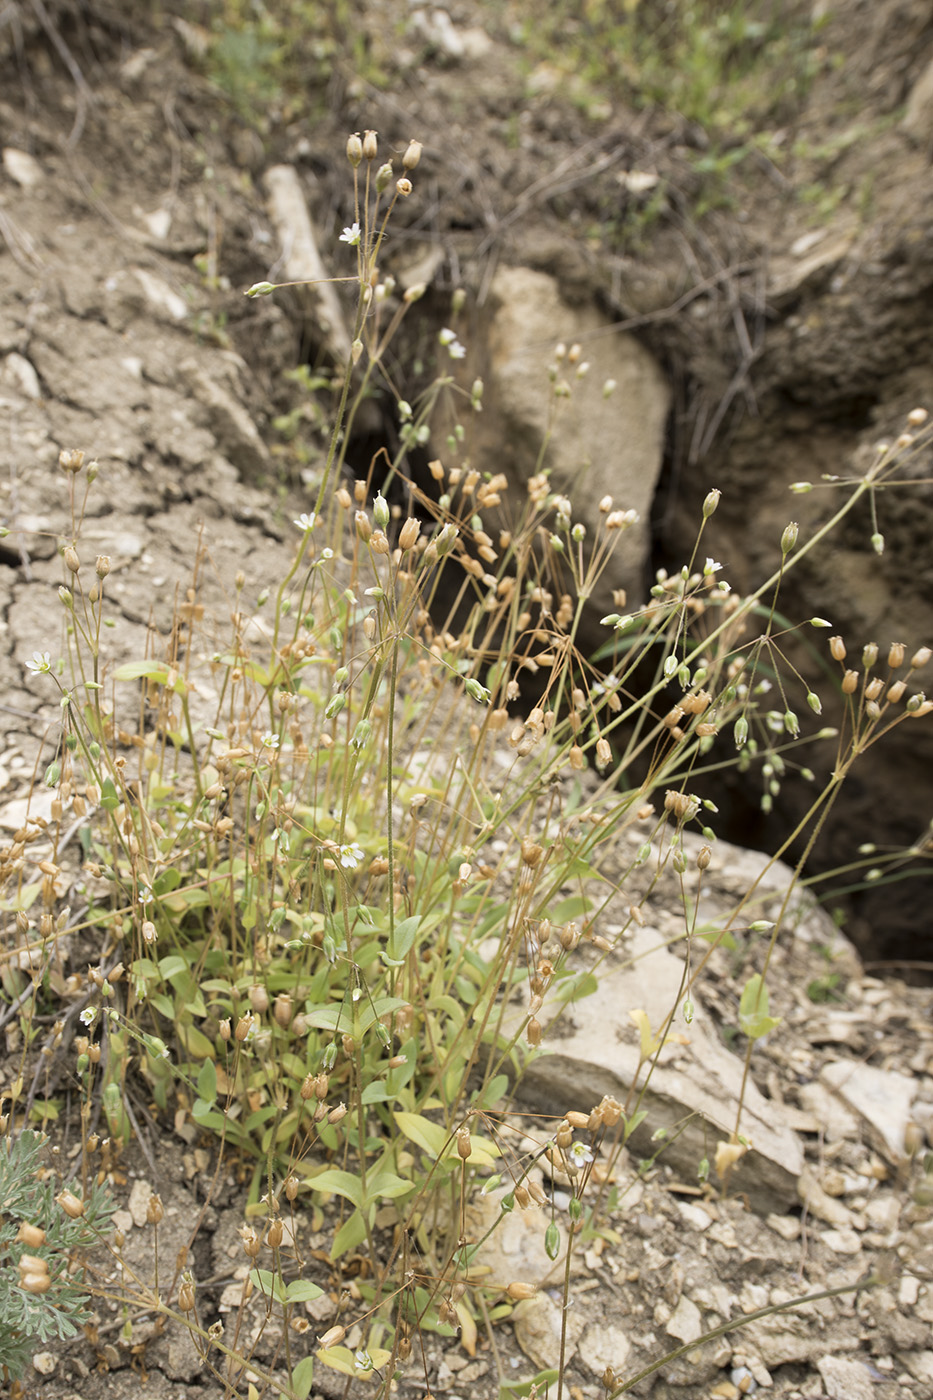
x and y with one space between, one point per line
381 511
70 556
711 502
383 176
409 533
869 655
789 537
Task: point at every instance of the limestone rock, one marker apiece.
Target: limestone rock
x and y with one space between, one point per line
882 1098
594 1051
537 1329
596 445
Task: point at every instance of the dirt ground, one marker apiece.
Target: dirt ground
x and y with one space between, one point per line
132 218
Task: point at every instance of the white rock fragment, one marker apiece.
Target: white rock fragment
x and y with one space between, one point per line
787 1226
21 167
685 1322
44 1362
919 1364
695 1216
882 1098
841 1241
18 373
538 1326
604 1345
161 301
138 1204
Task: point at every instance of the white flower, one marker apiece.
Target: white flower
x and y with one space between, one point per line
305 521
145 894
362 1360
41 663
456 351
710 568
351 235
88 1016
578 1155
447 336
350 856
270 740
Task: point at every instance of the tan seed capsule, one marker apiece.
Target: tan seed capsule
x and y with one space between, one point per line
337 1114
35 1283
70 1204
275 1234
896 652
33 1235
517 1291
354 149
186 1296
332 1337
32 1264
577 1120
370 145
850 683
837 648
920 658
154 1210
464 1146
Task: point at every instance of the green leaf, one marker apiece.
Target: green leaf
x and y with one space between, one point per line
571 908
340 1183
753 1009
171 965
302 1291
542 1380
157 671
581 984
496 1089
431 1137
194 1041
269 1285
385 1185
351 1233
403 938
109 797
302 1376
207 1082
